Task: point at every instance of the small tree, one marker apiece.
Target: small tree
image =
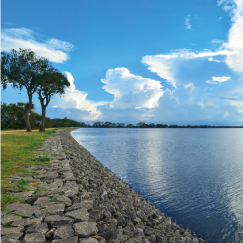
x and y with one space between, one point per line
22 69
52 82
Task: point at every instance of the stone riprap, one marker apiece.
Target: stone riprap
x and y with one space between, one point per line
76 199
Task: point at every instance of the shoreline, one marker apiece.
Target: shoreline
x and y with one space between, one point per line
80 200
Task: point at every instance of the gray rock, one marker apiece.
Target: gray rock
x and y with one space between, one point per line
148 231
89 240
44 201
51 175
13 238
61 198
88 204
35 237
50 233
85 229
63 232
137 239
46 193
27 221
95 215
71 192
138 231
117 235
37 228
22 194
9 218
52 209
27 211
80 215
73 239
57 221
14 230
17 206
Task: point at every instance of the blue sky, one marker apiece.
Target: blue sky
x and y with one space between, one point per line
160 61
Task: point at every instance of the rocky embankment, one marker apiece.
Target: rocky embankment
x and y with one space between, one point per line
77 200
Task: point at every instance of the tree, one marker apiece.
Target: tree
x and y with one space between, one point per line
13 116
52 82
23 69
151 125
65 121
142 124
120 125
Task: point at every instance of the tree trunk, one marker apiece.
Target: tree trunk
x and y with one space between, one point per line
43 116
28 127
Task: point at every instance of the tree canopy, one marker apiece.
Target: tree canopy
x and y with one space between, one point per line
24 68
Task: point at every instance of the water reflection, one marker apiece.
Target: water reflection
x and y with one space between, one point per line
193 175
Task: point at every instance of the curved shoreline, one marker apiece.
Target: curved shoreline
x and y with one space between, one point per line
88 203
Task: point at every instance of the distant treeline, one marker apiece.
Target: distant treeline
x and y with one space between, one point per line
13 117
152 125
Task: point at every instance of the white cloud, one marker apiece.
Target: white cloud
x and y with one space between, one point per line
161 65
187 22
53 49
213 60
164 65
235 39
131 91
217 80
75 99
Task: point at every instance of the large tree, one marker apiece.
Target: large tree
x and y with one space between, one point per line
20 69
52 82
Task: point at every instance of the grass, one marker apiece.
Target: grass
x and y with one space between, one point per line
17 150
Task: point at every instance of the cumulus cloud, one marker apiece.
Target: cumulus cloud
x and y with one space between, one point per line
131 91
76 99
235 59
53 49
187 22
217 80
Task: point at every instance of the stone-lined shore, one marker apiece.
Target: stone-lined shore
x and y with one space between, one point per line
76 199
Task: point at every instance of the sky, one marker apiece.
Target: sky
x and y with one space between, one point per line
153 61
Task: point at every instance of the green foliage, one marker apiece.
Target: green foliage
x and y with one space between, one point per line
21 183
66 123
7 226
9 196
53 200
48 122
22 69
13 116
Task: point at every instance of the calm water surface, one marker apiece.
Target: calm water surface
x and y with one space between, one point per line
193 175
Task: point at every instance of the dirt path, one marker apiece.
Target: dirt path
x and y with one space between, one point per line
20 131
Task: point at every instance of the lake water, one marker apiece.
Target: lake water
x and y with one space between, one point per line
194 176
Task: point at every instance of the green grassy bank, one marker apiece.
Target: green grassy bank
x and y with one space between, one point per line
17 150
